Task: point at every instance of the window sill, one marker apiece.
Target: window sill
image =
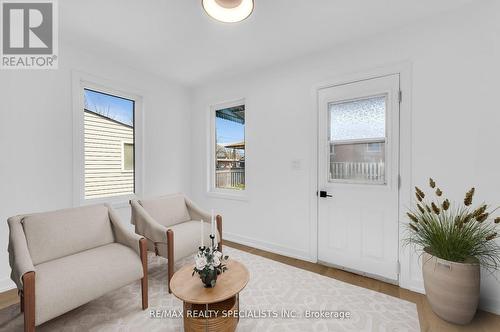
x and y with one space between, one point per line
237 196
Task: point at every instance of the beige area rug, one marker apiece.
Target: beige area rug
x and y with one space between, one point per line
273 287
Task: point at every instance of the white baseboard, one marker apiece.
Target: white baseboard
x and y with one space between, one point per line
271 247
6 285
490 305
413 286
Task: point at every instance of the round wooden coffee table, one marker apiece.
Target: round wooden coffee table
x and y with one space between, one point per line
210 309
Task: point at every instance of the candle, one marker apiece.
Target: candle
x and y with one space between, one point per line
201 234
213 223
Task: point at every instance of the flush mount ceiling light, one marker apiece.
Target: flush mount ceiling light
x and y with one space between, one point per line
229 11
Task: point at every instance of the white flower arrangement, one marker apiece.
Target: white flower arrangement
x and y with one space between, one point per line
209 262
200 261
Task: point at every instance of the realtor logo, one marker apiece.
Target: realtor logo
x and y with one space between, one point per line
29 34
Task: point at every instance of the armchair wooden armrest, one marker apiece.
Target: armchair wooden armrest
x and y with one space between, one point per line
144 281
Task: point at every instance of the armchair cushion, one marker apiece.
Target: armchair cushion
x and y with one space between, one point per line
187 239
66 283
167 210
56 234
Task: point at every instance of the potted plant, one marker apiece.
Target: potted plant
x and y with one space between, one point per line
456 241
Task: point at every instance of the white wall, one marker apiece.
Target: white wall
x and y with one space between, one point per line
455 128
36 163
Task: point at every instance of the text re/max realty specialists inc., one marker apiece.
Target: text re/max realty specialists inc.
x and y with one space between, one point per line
252 314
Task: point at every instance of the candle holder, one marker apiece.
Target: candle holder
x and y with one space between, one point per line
212 238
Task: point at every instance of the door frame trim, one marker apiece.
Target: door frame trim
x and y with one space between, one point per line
407 278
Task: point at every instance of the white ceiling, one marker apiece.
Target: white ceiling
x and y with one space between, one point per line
177 40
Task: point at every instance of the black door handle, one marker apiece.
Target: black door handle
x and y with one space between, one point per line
324 194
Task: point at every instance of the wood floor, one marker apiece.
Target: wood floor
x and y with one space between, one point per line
483 322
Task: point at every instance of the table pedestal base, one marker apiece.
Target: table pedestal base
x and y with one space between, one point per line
214 317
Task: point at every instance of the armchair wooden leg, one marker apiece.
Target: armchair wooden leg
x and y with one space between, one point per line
170 254
29 301
21 300
219 229
144 281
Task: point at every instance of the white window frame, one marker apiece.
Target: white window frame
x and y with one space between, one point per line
82 81
123 142
212 190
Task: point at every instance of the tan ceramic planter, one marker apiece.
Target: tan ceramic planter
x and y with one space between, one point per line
452 289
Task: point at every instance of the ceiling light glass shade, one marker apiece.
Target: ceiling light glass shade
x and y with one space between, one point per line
229 11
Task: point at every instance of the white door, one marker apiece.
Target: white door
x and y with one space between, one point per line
359 169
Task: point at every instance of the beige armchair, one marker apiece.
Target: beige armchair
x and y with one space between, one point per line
162 219
63 259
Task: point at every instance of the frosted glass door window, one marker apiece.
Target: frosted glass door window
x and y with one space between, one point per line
357 137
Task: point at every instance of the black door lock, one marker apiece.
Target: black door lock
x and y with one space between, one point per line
324 194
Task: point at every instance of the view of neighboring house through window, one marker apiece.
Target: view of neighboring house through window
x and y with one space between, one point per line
108 145
357 141
230 148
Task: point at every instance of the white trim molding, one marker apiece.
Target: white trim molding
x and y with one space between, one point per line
490 304
80 81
